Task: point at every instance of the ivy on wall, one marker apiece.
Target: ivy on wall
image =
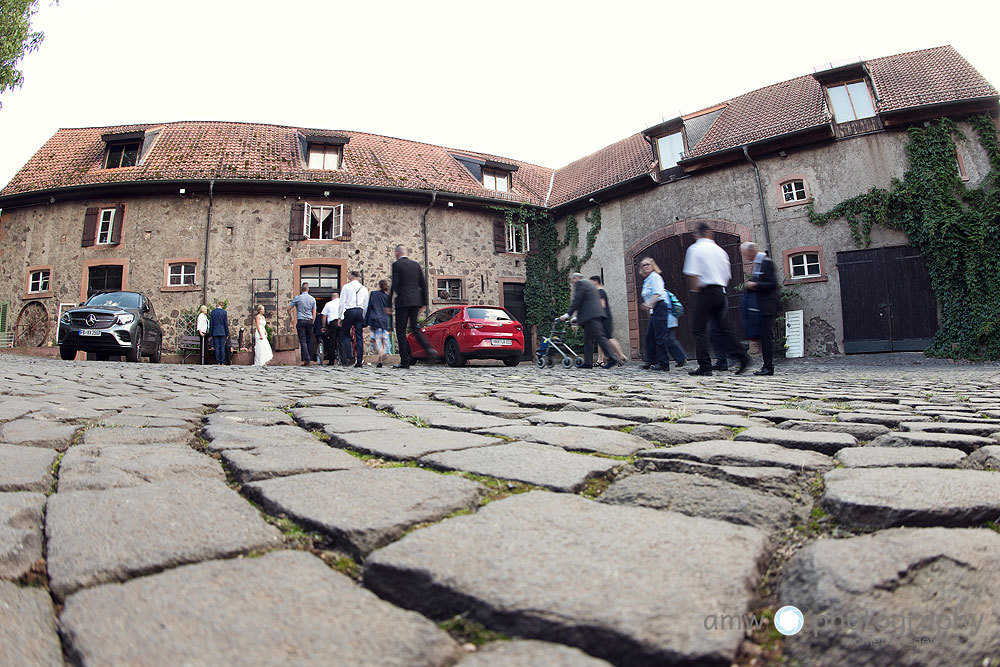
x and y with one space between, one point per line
546 290
955 228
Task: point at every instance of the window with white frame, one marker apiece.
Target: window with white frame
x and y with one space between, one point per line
38 281
793 191
851 101
517 237
494 179
804 265
106 226
449 289
323 222
181 274
670 148
324 156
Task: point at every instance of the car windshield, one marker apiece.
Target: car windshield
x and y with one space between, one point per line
115 300
488 314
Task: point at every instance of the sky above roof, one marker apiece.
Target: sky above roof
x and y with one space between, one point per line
542 82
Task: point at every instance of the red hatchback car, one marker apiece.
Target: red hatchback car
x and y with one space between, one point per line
471 332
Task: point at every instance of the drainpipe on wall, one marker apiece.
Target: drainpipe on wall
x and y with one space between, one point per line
208 228
760 197
427 260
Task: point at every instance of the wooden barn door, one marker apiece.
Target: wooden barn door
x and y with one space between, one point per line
669 256
886 300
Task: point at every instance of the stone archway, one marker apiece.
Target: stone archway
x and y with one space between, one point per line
667 245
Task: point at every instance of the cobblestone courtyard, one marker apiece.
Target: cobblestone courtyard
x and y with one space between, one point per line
166 515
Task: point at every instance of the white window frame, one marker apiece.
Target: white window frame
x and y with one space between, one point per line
492 179
328 151
337 224
39 281
805 265
668 143
178 279
448 293
105 226
513 232
794 192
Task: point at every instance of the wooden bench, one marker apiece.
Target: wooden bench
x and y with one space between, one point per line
188 346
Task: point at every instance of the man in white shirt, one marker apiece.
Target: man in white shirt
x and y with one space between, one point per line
708 270
331 329
353 304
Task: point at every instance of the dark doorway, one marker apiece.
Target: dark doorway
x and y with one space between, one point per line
322 281
886 300
669 256
513 301
104 279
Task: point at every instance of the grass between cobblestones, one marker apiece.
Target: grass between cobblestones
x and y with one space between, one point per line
466 631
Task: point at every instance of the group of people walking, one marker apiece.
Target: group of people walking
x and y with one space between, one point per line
343 319
707 270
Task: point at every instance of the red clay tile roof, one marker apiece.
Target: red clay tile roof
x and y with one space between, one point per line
924 77
243 151
618 162
240 151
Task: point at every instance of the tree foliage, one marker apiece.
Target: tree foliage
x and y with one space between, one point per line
16 40
955 228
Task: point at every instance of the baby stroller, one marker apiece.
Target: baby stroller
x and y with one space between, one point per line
553 346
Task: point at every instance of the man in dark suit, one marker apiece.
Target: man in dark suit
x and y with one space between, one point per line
410 288
590 314
218 322
764 284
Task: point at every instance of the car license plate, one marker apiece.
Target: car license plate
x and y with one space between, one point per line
89 332
502 341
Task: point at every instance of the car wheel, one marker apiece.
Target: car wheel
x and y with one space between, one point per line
511 361
154 358
67 353
567 362
452 355
540 361
132 356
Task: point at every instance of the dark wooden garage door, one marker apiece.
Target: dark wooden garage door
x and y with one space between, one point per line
886 299
669 256
513 301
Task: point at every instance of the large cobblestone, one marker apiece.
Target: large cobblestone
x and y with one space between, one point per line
174 568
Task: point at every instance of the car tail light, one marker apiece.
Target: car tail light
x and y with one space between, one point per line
470 325
517 327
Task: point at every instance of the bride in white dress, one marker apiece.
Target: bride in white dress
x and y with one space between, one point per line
261 348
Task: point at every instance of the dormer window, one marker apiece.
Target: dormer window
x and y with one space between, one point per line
850 101
670 149
122 154
324 156
494 179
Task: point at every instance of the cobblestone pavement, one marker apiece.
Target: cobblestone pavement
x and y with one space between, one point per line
498 516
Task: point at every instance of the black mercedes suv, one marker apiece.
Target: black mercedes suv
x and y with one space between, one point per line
112 324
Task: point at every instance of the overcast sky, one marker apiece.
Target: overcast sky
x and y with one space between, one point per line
543 81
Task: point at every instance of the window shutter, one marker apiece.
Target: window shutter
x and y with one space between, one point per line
296 224
347 223
90 227
532 238
116 229
499 236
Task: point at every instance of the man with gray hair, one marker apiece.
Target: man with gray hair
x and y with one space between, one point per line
762 289
590 314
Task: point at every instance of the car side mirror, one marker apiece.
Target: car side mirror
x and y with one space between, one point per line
145 307
82 302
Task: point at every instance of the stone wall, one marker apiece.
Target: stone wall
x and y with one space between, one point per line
833 172
249 238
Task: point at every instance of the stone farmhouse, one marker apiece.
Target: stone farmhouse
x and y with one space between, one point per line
190 212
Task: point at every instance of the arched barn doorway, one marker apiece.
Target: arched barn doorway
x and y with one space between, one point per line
668 252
